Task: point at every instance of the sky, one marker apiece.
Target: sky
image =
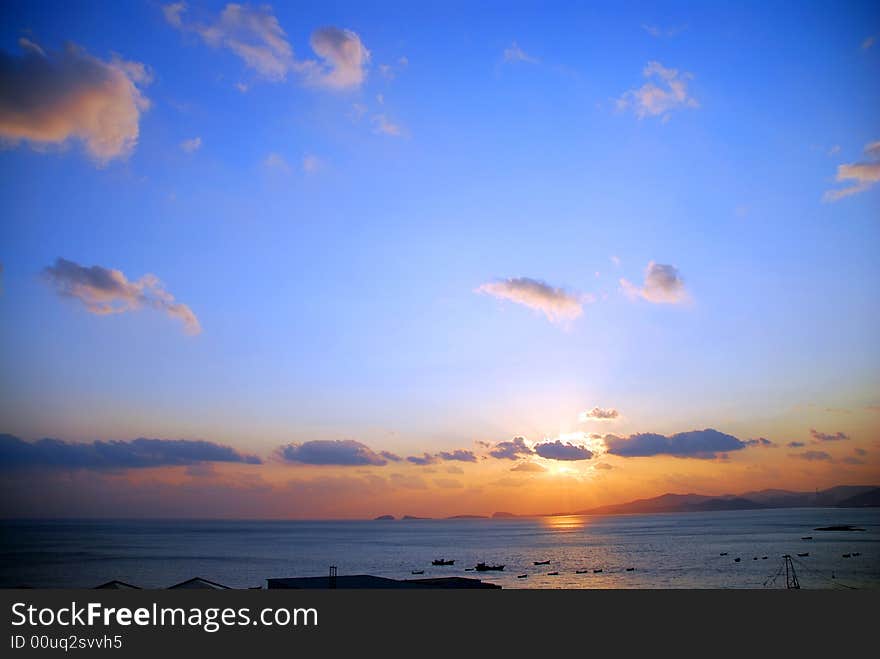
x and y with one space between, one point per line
350 259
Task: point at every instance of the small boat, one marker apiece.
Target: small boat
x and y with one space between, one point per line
597 570
553 574
724 553
846 555
630 569
469 569
806 553
856 553
418 572
807 537
442 561
581 571
763 558
522 576
541 563
755 558
482 567
736 560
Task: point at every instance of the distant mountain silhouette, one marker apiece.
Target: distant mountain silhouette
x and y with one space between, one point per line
384 517
502 515
845 496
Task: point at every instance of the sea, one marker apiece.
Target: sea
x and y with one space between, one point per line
668 550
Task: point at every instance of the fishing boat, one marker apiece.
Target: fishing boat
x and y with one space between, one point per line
541 563
597 570
483 567
736 560
846 555
522 576
807 537
724 553
553 574
630 569
442 561
806 553
418 572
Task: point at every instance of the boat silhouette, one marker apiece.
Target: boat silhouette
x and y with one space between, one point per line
552 574
482 567
522 576
581 571
806 553
630 569
541 563
597 570
418 572
442 561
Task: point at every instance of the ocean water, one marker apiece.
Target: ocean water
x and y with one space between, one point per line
667 550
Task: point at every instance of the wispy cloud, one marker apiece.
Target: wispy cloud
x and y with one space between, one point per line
117 454
255 35
651 100
458 455
813 456
191 145
599 414
103 291
865 175
663 285
827 437
529 467
703 444
277 162
384 126
312 164
869 42
556 304
661 32
761 442
53 97
513 53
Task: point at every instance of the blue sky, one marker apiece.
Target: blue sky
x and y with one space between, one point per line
334 267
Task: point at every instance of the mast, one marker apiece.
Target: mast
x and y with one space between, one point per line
791 580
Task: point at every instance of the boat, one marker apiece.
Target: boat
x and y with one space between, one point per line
806 553
581 571
541 563
442 561
763 558
807 537
630 569
522 576
469 569
553 574
846 555
418 572
482 567
597 570
724 553
856 553
755 558
736 560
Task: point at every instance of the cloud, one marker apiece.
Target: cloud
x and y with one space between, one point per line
103 291
864 174
651 100
276 162
659 32
825 437
702 444
255 35
860 451
795 445
663 285
191 145
529 467
407 482
563 451
513 53
458 455
340 452
555 303
511 450
850 460
813 456
761 442
426 459
116 454
345 58
600 414
391 457
311 164
53 97
385 126
603 465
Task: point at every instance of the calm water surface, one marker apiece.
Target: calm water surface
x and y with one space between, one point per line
666 550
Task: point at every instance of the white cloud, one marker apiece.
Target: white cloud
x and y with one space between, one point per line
50 98
345 58
386 127
651 100
556 304
191 145
864 175
103 291
255 35
663 285
513 53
